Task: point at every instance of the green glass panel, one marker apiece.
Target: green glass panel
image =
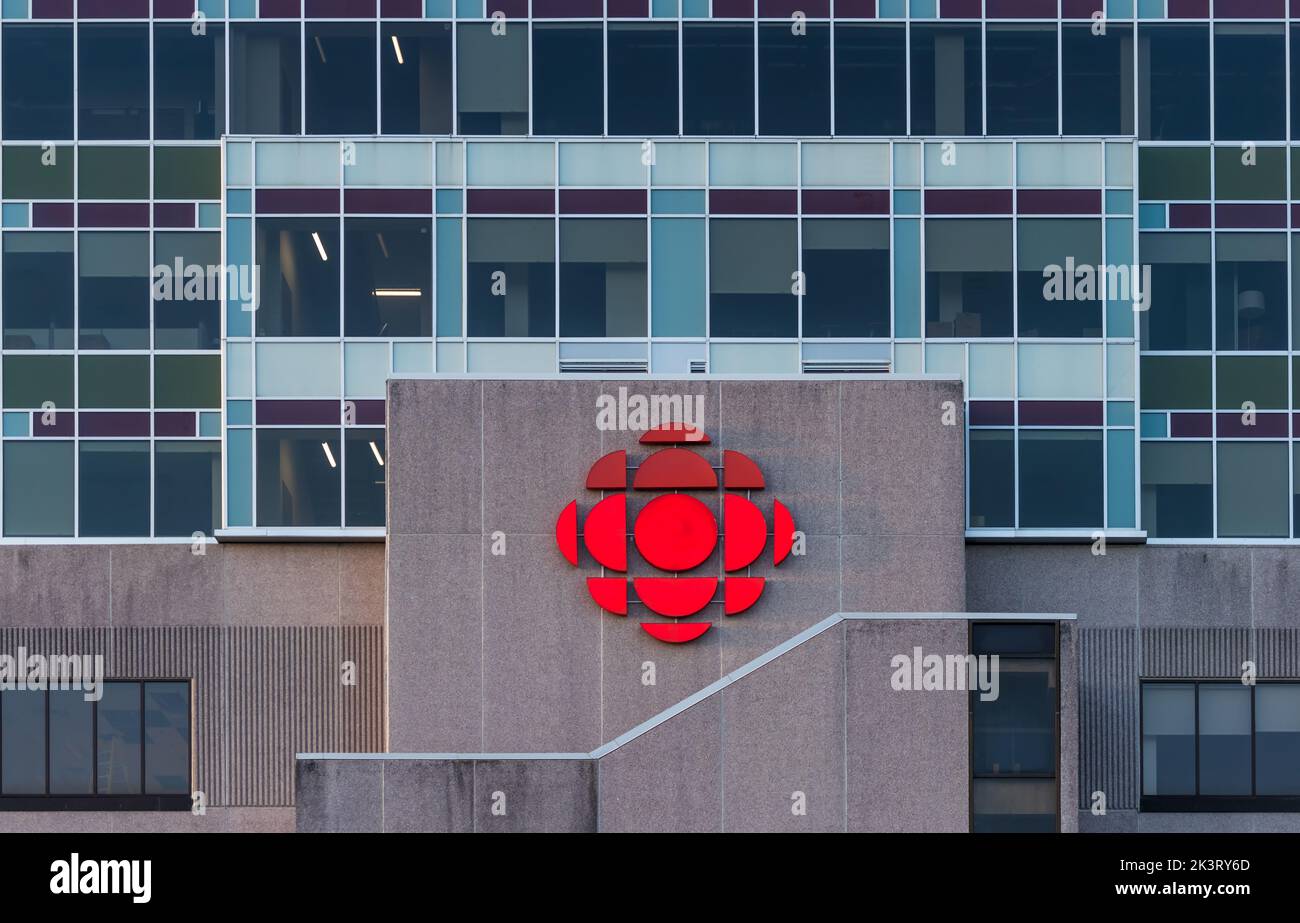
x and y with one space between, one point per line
187 381
114 381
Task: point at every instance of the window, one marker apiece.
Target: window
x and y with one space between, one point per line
510 277
603 277
1061 479
1054 302
1177 489
113 488
492 79
187 487
415 65
870 79
112 81
1249 82
1250 287
265 79
189 96
115 290
389 277
1220 746
846 274
1252 484
1021 80
38 284
299 294
340 78
1014 736
1174 82
568 79
37 80
298 482
187 304
794 80
992 460
642 79
364 467
1096 80
717 79
1179 314
968 277
947 94
752 262
129 749
38 487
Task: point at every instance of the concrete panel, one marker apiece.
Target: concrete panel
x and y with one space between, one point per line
435 643
281 584
340 796
908 751
361 583
54 586
168 585
1135 822
1100 589
668 779
535 796
782 734
435 453
1194 586
888 573
428 796
1276 577
1068 767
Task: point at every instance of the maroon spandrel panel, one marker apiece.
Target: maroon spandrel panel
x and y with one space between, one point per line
510 201
1266 426
1189 214
785 9
567 9
113 9
1061 413
753 201
401 9
173 9
743 9
173 215
1080 9
628 9
602 201
298 413
968 201
1249 9
511 9
1059 201
1191 425
388 201
855 9
52 9
113 423
338 9
1021 9
959 9
1189 9
64 423
279 9
1250 215
294 201
369 413
113 214
173 423
846 201
53 214
992 413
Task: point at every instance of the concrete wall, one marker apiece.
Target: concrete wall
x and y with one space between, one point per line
507 653
1149 611
262 631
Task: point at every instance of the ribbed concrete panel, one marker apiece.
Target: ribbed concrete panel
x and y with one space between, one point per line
1277 652
1203 653
1108 716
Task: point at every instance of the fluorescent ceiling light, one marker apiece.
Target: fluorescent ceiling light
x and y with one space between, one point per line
375 449
397 293
397 49
329 456
320 49
320 247
383 245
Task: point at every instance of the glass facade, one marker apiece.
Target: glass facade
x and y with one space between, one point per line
226 223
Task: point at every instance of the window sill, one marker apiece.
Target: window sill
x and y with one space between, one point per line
1220 804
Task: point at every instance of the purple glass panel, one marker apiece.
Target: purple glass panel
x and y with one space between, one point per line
113 9
63 424
855 9
513 9
1079 9
959 9
1249 9
298 413
402 9
1059 201
173 9
388 201
173 214
370 413
113 423
846 201
51 9
1190 425
753 201
1060 413
305 201
1250 215
113 214
785 9
510 201
279 9
992 413
1189 9
337 9
173 424
743 9
53 214
1189 215
629 9
567 9
602 201
1021 9
968 201
1266 426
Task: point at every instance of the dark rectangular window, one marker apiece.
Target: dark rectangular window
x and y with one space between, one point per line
1177 488
340 78
38 290
298 259
37 78
1179 312
568 79
298 482
968 278
1096 80
1174 82
1055 302
992 460
364 475
187 305
752 266
265 78
1249 82
112 81
846 274
717 79
1250 284
794 79
115 289
1061 478
603 277
510 277
947 94
870 79
189 85
389 279
1021 79
187 487
415 75
492 79
642 78
113 498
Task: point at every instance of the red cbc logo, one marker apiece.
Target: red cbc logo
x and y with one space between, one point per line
675 532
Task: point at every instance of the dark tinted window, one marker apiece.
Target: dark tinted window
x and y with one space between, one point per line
492 79
602 277
794 79
114 495
340 78
118 739
113 81
72 743
166 738
298 477
186 305
510 277
415 60
568 79
992 460
642 79
187 487
1174 82
1250 280
364 466
1061 479
389 277
22 743
265 79
1179 313
946 82
1177 489
846 275
1097 80
37 82
1277 739
189 87
1057 297
38 286
114 295
717 79
1021 80
1249 82
298 259
870 79
752 262
1169 739
968 278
